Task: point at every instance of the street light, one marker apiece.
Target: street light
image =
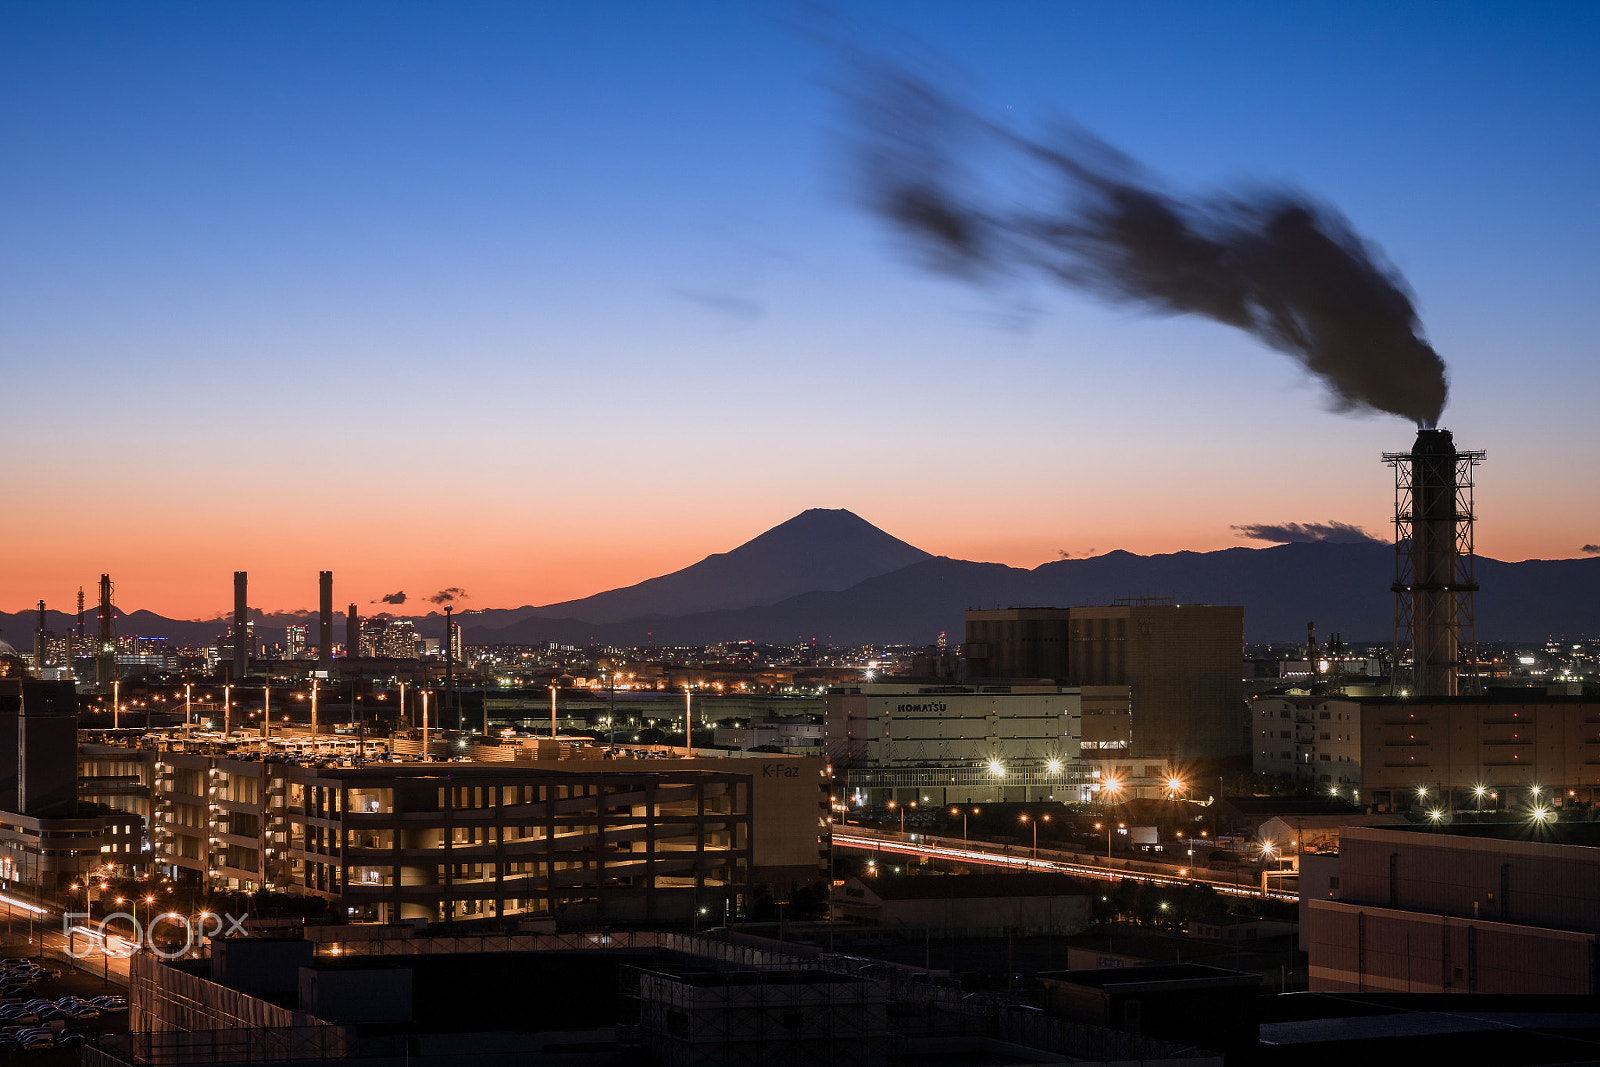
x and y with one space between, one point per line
902 808
1043 818
962 812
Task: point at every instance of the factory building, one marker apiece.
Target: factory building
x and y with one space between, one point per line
939 745
48 836
1480 753
566 832
1488 908
1179 661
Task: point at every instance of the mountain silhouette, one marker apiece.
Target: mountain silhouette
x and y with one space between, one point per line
817 550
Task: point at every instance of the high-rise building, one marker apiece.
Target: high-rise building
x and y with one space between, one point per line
294 641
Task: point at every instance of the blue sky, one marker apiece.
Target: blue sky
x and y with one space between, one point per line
289 284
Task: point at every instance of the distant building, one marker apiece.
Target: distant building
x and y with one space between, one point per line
1180 661
294 642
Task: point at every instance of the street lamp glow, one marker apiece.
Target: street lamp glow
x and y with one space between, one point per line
996 769
1174 784
1435 814
1054 766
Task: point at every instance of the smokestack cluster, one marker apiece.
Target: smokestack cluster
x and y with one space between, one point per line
1288 271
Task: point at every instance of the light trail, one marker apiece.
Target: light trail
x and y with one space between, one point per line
995 859
24 905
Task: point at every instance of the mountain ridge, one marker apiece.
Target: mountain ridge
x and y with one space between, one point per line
856 584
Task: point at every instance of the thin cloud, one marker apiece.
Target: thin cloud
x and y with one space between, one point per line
1291 533
729 304
446 596
1591 549
392 598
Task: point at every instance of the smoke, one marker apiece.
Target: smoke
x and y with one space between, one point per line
392 598
1338 533
1271 262
445 596
1591 549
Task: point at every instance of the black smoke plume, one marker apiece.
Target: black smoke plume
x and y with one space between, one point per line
394 598
446 596
1271 262
1289 533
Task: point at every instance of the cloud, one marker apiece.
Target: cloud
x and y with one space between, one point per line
729 304
445 596
394 598
1338 533
1591 549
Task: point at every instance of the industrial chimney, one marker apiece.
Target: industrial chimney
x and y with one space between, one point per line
241 625
106 654
325 637
39 643
352 633
1434 582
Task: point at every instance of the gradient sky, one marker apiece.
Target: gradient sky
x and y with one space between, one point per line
540 299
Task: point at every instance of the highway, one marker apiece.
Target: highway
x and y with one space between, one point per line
89 953
984 854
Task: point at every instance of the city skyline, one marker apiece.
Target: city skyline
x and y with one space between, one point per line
539 302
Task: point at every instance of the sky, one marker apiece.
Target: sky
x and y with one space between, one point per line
536 300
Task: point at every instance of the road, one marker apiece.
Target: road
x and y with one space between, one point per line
985 854
43 928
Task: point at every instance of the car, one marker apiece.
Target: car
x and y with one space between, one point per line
84 1011
24 1018
38 1039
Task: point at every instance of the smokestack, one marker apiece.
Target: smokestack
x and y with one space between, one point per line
106 654
38 644
241 625
352 633
1434 583
325 638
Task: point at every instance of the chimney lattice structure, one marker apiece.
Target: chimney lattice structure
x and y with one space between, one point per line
1435 613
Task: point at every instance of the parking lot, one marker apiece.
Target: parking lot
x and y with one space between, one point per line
72 983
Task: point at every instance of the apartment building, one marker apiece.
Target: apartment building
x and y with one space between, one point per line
1311 739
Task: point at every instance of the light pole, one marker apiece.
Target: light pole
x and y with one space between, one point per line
552 711
1035 822
688 718
963 813
902 808
1112 787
